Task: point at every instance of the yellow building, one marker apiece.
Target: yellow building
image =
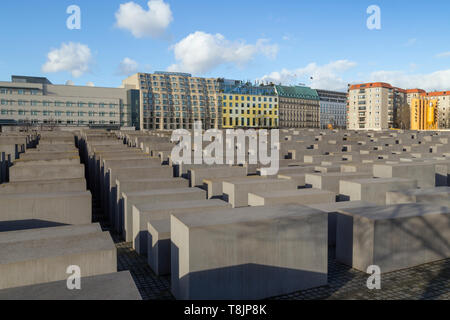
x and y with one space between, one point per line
249 111
424 114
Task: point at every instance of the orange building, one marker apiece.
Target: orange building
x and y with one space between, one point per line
424 114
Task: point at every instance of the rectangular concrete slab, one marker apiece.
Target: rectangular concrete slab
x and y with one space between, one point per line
131 199
373 190
156 211
301 197
236 192
393 237
63 207
44 260
225 254
105 287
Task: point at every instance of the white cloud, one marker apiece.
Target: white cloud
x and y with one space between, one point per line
319 77
200 52
142 23
438 80
443 54
410 42
127 67
90 84
71 57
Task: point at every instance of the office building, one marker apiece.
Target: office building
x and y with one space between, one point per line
333 109
373 106
36 101
170 100
248 106
299 107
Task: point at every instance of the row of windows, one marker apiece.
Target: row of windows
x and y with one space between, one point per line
248 112
173 79
175 96
250 122
184 103
5 102
57 113
243 98
243 105
166 108
178 114
19 91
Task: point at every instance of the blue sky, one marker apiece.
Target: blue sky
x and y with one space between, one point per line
288 41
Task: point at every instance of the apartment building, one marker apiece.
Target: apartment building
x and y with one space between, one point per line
299 107
333 109
424 114
373 106
170 100
443 107
36 101
248 106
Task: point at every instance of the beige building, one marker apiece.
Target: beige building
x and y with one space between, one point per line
299 107
169 100
373 106
33 100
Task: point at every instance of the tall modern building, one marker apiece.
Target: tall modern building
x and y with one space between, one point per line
299 107
333 109
248 106
36 101
373 106
380 106
170 100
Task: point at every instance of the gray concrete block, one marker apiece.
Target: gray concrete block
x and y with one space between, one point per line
393 237
198 175
158 244
332 210
39 173
105 287
330 181
236 192
424 173
301 197
142 213
225 254
373 190
440 195
45 186
46 259
62 207
131 199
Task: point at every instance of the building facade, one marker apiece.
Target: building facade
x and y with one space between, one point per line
380 106
333 109
424 114
443 107
299 107
248 106
373 106
170 100
36 101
